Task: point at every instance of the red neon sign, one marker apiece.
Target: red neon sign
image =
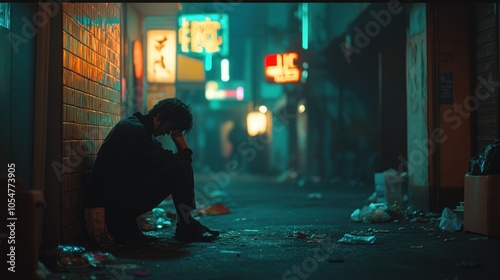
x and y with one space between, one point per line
281 68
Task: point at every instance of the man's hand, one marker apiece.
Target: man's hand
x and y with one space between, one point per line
184 154
179 140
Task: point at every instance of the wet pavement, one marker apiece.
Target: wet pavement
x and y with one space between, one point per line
276 230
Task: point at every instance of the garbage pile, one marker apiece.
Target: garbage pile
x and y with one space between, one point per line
389 203
378 213
65 258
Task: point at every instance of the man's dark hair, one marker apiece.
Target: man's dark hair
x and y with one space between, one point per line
173 109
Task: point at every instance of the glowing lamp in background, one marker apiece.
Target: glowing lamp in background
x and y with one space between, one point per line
256 123
281 68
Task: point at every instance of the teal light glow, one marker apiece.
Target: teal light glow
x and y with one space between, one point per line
305 26
224 69
208 62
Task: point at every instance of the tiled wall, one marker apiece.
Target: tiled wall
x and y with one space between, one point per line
91 98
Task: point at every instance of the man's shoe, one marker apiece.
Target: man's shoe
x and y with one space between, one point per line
194 231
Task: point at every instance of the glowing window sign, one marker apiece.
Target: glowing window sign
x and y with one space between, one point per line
204 34
281 68
161 56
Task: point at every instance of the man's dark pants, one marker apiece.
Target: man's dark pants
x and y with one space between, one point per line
130 201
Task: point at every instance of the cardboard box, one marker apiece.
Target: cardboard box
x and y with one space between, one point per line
481 204
388 186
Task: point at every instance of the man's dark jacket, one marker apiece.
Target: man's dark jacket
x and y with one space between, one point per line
127 155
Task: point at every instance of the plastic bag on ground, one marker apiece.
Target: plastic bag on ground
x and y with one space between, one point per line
373 213
449 220
153 220
355 216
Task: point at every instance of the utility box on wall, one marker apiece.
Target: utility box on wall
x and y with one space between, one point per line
481 207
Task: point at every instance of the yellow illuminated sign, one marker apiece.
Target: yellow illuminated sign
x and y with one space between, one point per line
281 68
161 55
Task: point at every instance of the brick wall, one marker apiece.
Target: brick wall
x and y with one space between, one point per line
91 98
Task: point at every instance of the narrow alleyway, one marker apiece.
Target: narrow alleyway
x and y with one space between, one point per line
275 231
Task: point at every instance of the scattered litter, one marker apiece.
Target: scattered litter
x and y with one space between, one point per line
300 234
355 239
315 195
355 216
479 238
361 233
153 220
97 259
314 241
65 257
416 246
419 220
317 236
373 213
378 230
419 216
214 209
449 239
449 221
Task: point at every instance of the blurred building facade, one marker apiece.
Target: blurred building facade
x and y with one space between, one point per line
409 86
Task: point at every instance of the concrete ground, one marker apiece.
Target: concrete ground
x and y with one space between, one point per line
275 231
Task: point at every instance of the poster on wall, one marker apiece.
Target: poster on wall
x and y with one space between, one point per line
158 93
161 56
445 87
5 15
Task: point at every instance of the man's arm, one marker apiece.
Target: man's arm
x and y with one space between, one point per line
183 150
179 140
